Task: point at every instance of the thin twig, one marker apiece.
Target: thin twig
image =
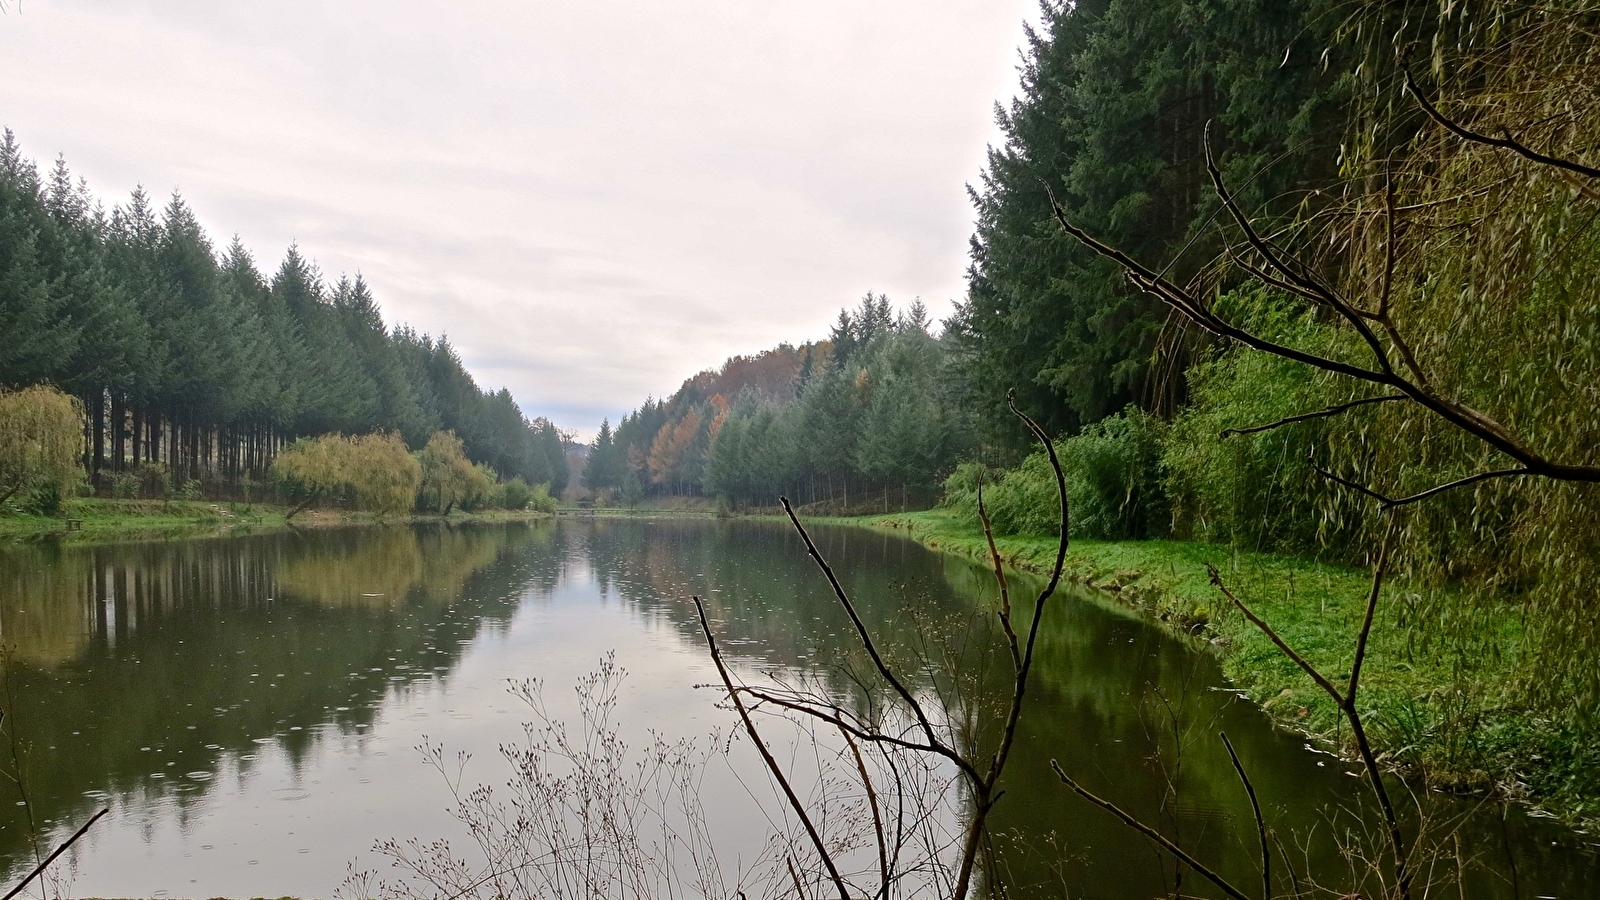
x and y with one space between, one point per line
877 816
1154 835
766 755
1255 808
39 869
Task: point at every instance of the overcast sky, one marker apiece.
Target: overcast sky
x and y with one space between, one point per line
593 200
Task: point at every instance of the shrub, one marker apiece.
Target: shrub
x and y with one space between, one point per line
481 491
1113 484
1256 490
515 494
125 486
541 500
153 480
45 500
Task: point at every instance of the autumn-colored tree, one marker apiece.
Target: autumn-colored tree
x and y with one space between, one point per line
668 449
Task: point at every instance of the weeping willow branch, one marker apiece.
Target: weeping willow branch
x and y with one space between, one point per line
1303 417
1505 142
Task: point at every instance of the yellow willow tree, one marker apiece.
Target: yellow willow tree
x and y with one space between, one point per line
448 477
375 471
41 441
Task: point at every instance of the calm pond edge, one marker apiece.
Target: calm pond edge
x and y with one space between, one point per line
1413 704
93 521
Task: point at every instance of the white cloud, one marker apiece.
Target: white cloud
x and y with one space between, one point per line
592 200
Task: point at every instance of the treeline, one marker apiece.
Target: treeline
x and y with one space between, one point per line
193 361
865 419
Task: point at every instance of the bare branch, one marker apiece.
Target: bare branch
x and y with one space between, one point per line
1473 422
1460 482
999 576
1308 668
1310 285
1387 503
766 755
39 869
1255 808
1319 414
1196 311
835 716
985 798
1154 835
861 629
1358 730
1346 700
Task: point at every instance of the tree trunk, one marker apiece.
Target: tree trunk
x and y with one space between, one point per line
136 435
117 432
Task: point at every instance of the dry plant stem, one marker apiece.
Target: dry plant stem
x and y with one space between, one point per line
39 869
1255 809
877 815
1160 839
766 755
1288 863
1346 701
799 889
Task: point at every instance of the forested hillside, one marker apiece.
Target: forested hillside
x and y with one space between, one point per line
863 419
188 357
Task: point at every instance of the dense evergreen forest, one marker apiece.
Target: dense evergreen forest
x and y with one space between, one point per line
191 362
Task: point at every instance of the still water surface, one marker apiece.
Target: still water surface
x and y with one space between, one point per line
250 707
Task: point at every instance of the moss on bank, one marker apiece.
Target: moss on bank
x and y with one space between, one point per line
1432 710
90 520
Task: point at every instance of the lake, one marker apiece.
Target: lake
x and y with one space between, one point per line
250 707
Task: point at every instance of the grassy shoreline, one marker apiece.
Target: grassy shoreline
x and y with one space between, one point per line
98 520
1431 713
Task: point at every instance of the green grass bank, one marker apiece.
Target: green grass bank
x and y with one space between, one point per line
1432 711
92 519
